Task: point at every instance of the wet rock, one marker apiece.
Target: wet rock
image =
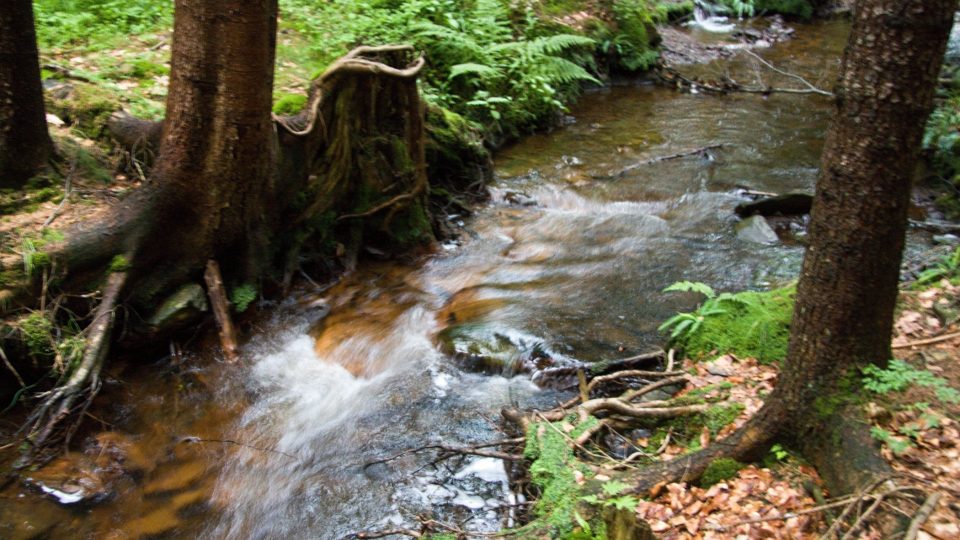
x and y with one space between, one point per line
72 480
619 446
946 239
756 229
518 198
180 307
790 204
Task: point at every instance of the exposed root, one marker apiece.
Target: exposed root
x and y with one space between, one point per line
43 423
448 451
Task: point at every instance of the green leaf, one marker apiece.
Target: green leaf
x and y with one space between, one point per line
615 487
691 286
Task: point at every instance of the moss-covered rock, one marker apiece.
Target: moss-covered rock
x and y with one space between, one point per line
85 106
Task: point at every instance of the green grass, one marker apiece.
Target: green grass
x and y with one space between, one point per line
510 67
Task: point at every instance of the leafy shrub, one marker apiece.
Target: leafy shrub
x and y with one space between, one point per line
746 324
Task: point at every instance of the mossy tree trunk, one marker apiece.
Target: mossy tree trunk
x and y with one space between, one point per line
25 144
848 283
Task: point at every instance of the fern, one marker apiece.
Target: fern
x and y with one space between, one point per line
470 68
692 286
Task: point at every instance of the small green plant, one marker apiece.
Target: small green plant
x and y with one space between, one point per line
119 264
779 453
747 324
33 258
946 268
899 375
613 489
241 297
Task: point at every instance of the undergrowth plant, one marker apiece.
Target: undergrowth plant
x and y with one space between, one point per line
897 377
746 324
946 268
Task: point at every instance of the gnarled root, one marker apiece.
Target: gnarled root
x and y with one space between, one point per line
42 425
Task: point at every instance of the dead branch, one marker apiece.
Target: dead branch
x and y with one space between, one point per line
651 161
85 377
221 310
396 200
813 89
922 515
726 85
632 373
928 341
475 450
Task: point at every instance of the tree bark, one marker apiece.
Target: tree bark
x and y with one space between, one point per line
25 144
843 318
847 291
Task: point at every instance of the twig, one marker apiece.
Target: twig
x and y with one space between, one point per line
3 356
651 161
922 515
469 450
813 89
928 341
192 439
67 188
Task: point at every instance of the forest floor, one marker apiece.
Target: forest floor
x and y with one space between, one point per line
915 411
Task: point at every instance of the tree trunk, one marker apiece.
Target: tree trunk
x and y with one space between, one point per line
843 318
847 291
208 196
25 144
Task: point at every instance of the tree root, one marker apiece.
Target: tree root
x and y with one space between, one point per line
42 424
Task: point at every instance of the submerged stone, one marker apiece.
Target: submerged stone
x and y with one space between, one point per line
756 229
182 305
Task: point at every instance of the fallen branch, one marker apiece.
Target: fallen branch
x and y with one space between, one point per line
928 341
922 515
67 188
476 450
678 155
221 310
813 89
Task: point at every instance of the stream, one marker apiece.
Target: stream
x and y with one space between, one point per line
564 263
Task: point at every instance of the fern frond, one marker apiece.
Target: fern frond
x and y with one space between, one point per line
482 71
692 286
554 45
560 70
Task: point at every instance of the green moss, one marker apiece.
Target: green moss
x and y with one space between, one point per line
119 264
37 333
411 227
87 107
290 104
755 326
716 418
552 472
720 470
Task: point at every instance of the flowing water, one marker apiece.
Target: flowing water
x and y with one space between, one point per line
568 262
